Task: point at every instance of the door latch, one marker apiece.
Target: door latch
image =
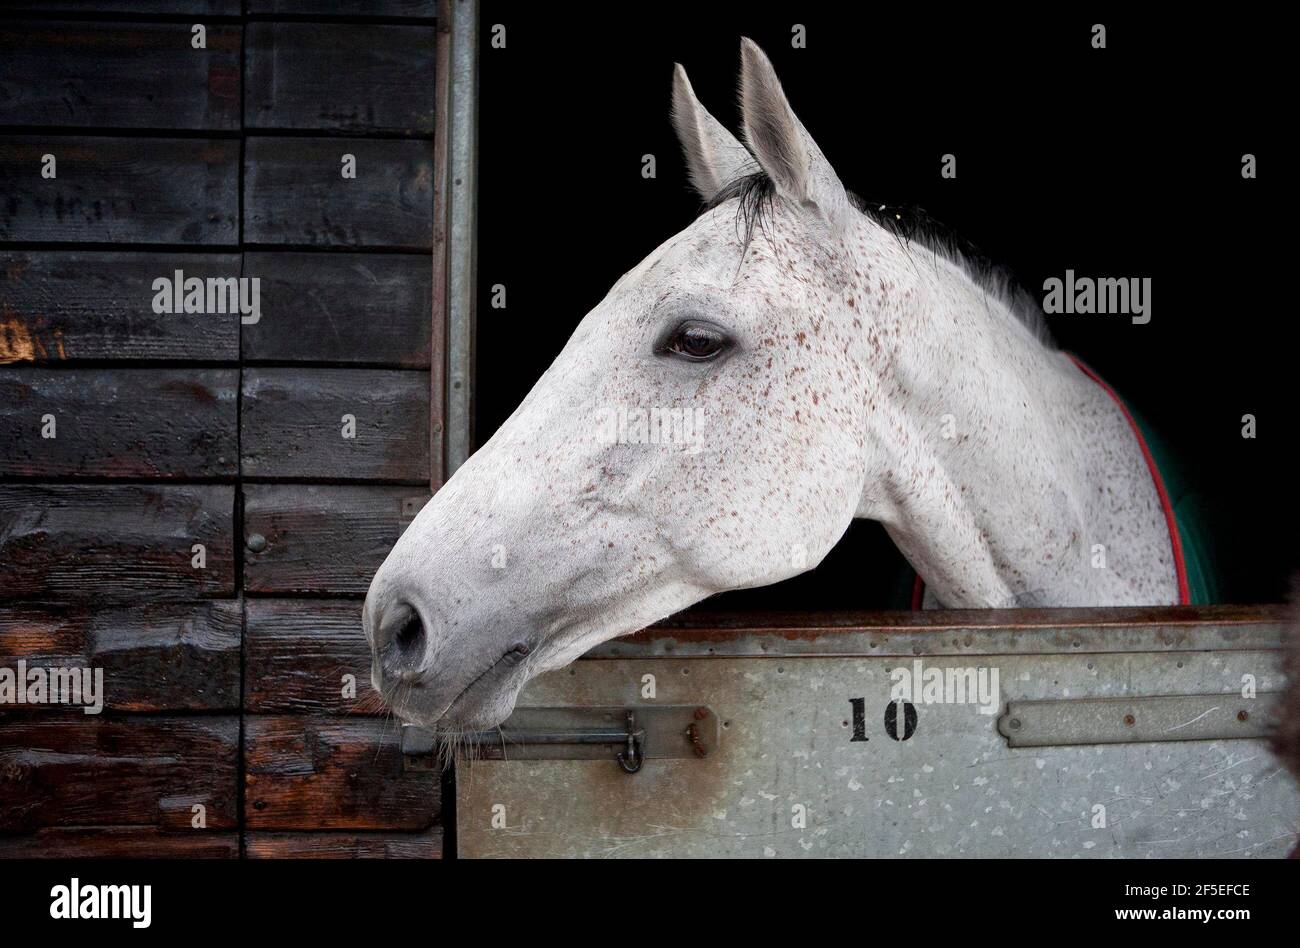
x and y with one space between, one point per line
629 736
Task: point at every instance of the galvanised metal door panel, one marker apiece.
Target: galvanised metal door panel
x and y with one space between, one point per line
788 778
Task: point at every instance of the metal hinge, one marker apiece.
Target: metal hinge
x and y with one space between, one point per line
629 736
1133 720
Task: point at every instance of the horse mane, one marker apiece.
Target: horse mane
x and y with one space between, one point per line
755 194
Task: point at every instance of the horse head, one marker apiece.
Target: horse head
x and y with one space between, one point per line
702 430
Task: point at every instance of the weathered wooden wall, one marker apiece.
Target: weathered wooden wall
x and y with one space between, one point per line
228 685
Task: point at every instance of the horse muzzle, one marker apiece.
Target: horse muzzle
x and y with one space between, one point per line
427 682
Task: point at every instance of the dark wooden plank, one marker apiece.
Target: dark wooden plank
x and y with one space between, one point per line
322 773
131 190
440 260
61 306
291 424
119 75
345 77
154 656
79 770
364 309
119 842
322 539
427 9
109 543
341 845
139 423
158 7
299 654
294 193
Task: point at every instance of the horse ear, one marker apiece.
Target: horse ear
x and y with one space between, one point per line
781 144
714 157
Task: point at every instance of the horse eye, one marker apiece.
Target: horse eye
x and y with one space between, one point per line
697 341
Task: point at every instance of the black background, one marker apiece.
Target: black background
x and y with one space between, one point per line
967 899
1117 162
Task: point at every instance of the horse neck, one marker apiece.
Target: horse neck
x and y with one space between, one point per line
982 459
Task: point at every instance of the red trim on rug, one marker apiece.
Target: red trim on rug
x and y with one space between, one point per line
1175 538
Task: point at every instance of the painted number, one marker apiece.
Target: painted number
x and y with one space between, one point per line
859 719
891 719
859 706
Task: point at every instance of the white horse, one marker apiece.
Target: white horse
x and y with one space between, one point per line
781 366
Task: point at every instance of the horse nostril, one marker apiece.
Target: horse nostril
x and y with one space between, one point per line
400 646
410 635
520 650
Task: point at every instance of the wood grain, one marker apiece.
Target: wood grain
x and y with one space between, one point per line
109 543
397 8
294 193
77 769
136 423
98 574
120 75
292 424
341 845
66 306
298 652
168 7
323 539
322 773
119 842
155 656
353 78
125 190
357 308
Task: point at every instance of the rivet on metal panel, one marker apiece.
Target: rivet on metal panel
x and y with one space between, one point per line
256 542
